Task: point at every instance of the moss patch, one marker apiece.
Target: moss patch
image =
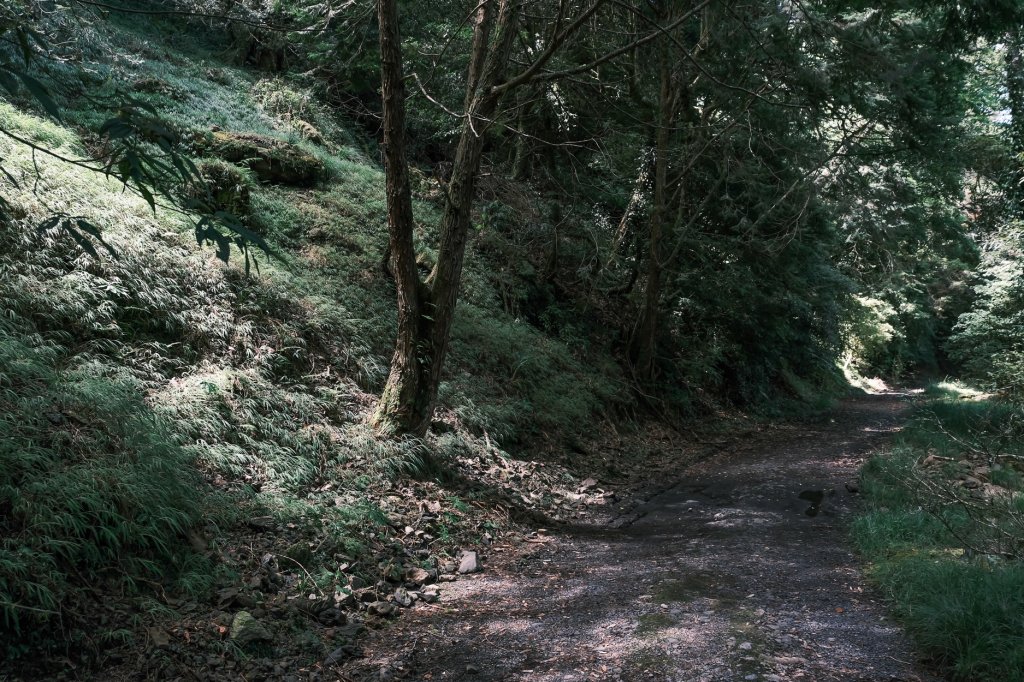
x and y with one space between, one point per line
694 585
271 160
651 623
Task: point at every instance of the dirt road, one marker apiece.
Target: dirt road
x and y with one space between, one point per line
741 571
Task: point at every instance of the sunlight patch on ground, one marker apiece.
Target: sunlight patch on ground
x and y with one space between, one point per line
962 391
872 385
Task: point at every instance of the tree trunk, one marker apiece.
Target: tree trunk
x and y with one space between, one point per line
523 158
426 310
625 233
1015 90
407 393
643 344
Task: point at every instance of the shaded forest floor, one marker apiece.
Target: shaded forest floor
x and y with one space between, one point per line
738 571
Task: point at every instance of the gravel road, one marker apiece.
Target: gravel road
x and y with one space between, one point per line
740 571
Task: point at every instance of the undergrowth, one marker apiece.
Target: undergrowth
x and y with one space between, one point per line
944 532
93 485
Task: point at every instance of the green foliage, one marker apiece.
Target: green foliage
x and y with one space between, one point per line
967 616
513 382
988 340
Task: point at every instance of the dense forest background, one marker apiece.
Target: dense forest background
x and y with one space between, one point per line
218 217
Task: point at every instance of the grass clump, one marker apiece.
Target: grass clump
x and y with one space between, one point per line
944 531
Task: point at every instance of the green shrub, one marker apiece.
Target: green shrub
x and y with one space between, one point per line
965 615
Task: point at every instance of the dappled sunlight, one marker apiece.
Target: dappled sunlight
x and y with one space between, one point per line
545 341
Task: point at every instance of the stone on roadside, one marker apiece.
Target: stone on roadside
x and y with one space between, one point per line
366 594
469 563
381 608
245 629
159 638
417 575
331 616
402 597
340 655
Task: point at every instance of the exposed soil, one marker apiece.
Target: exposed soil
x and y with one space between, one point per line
739 571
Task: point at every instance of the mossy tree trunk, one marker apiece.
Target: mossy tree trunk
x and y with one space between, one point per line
426 309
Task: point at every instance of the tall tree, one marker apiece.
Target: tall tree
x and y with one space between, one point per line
427 306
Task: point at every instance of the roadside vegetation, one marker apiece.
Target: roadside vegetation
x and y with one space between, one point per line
943 530
168 421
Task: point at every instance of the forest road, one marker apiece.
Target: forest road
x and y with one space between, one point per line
741 571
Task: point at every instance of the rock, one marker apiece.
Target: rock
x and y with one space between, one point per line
971 482
381 608
447 567
402 597
472 669
246 629
331 616
746 646
852 487
447 578
366 594
430 595
340 655
417 576
588 484
344 599
469 563
348 633
159 637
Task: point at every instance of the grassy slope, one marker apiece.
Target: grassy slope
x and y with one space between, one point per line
944 532
164 357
